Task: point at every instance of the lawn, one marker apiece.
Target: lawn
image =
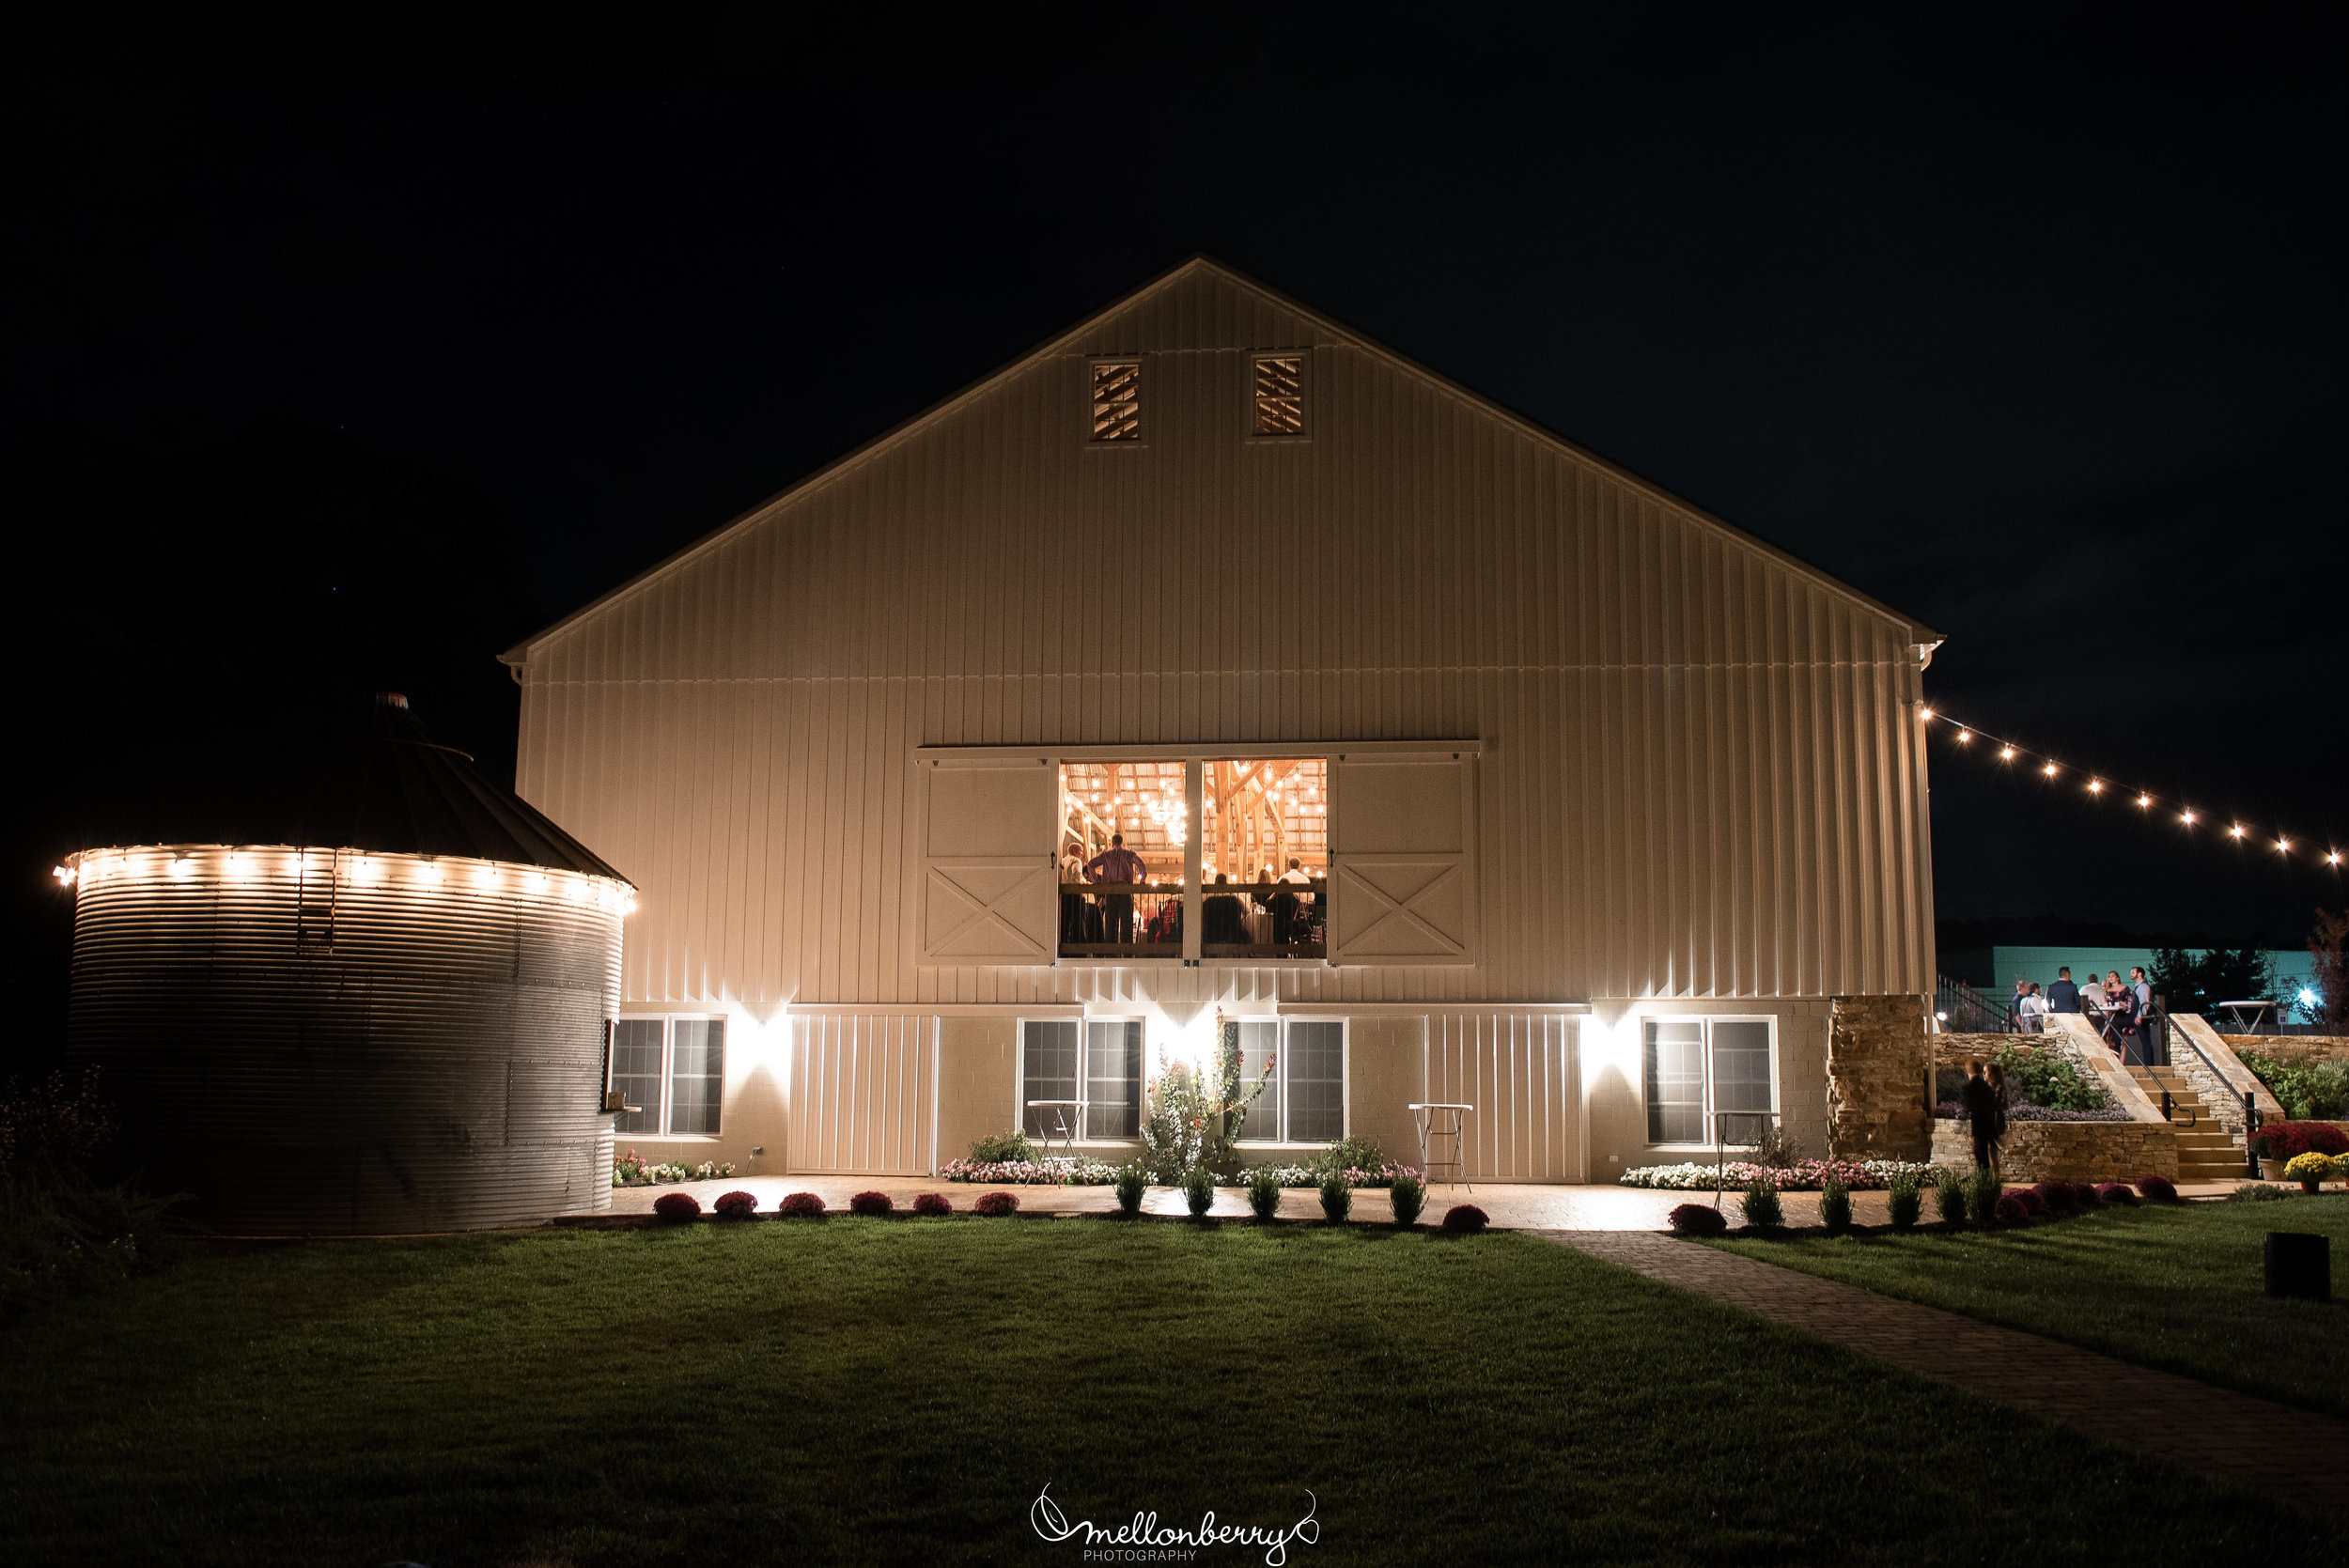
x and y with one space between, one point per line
2177 1287
854 1390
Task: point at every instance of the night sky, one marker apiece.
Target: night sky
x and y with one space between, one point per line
330 369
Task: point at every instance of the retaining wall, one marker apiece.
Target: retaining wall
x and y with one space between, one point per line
2067 1151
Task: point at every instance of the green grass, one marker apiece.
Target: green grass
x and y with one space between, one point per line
2177 1287
862 1390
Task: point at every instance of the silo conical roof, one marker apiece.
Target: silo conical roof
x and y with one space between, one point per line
397 790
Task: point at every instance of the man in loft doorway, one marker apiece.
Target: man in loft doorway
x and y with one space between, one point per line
1118 863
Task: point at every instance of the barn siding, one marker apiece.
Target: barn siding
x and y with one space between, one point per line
1703 773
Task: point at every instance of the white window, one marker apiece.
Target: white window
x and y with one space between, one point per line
1118 400
1304 1101
673 1071
1097 1062
1279 394
1703 1072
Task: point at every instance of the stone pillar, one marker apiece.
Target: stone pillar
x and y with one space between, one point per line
1877 1055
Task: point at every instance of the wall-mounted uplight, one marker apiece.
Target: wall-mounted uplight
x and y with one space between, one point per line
65 875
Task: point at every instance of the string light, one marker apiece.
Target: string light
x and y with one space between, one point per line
2049 767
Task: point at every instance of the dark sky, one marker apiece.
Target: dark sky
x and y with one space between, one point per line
2029 323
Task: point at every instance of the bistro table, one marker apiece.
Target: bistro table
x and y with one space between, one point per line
2254 1008
1066 1128
1438 1120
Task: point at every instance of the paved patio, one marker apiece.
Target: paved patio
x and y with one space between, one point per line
1512 1206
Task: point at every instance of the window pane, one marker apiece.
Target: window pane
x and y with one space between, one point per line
1315 1072
697 1074
1259 1043
1741 1077
636 1073
1114 1079
1675 1080
1050 1074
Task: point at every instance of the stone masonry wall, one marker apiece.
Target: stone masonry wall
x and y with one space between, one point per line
2293 1050
1877 1059
2067 1151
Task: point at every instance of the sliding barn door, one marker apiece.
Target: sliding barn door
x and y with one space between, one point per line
1403 860
990 893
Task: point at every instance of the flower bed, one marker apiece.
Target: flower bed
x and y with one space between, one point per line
2023 1111
1030 1172
1804 1176
633 1169
1310 1176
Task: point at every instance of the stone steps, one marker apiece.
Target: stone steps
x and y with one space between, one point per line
2206 1150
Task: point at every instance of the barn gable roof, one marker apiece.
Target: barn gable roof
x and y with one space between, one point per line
1078 340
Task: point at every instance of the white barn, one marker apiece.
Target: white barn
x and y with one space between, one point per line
1597 801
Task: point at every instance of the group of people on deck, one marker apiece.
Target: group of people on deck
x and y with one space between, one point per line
2122 1011
1109 917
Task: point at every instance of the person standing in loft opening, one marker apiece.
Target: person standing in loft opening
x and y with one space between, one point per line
1118 863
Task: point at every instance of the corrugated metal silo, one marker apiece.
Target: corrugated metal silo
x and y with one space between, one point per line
398 1026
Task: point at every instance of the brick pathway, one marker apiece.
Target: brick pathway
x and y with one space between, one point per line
2293 1457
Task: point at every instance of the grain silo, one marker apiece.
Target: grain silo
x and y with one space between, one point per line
396 1023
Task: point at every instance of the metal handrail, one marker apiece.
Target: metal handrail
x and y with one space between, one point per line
2250 1105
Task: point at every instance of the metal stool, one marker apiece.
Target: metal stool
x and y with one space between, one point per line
1437 1122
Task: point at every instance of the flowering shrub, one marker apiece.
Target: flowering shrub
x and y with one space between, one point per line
1385 1173
2258 1192
2157 1189
2024 1111
676 1208
933 1202
2117 1192
2056 1197
1195 1111
996 1204
2284 1139
1002 1148
873 1204
2311 1169
2087 1196
1699 1219
1408 1195
2317 1089
2008 1209
1464 1219
801 1205
633 1169
2032 1204
1804 1176
731 1205
1031 1173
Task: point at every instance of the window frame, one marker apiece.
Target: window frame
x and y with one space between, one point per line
1282 1057
1084 1024
1710 1103
1089 438
1304 431
666 1112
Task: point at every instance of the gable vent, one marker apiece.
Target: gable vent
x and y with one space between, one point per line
1279 394
1118 400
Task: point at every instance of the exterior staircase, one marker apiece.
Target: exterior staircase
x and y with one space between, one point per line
2206 1150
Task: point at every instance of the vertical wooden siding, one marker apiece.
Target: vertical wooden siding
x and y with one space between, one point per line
862 1093
1703 773
1520 1072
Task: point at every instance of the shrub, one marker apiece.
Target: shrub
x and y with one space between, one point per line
1981 1198
1002 1148
1337 1198
996 1204
2009 1210
1699 1219
1835 1208
676 1208
801 1205
1355 1154
1131 1184
730 1205
1264 1195
2086 1195
2258 1192
2056 1196
1949 1197
2157 1189
2117 1192
872 1205
1411 1196
1759 1204
2310 1168
2319 1090
2034 1204
1464 1220
1903 1203
1198 1185
2284 1139
933 1202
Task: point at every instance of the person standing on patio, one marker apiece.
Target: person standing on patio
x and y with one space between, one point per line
2034 1010
2014 1007
1983 1116
2144 994
1117 864
2063 997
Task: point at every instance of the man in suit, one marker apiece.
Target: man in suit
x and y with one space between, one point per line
2063 997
